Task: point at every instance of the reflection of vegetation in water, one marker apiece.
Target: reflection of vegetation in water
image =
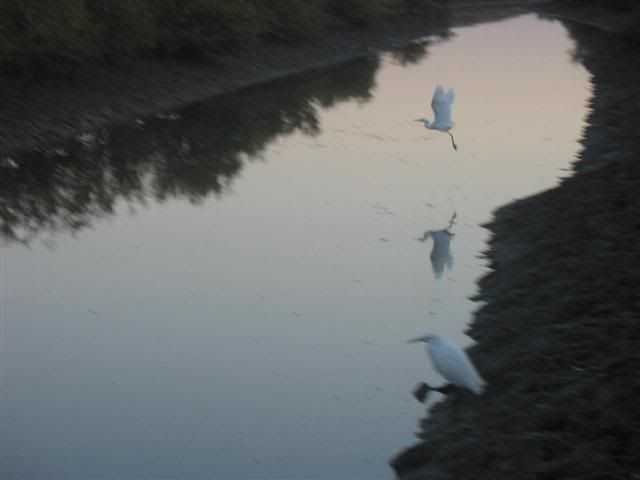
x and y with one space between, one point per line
412 53
417 51
587 40
193 156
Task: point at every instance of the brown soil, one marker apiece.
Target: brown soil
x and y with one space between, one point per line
559 334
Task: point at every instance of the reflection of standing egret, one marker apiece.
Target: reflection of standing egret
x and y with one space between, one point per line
441 105
441 252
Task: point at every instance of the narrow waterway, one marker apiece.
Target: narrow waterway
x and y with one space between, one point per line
226 291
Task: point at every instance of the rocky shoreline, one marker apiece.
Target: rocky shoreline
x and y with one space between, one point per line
559 329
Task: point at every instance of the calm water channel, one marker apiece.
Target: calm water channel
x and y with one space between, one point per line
226 292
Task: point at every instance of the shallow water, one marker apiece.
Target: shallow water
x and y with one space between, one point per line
227 293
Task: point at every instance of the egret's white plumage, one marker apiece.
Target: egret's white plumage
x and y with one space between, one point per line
450 361
441 103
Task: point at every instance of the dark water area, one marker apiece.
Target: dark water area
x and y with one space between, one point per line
225 291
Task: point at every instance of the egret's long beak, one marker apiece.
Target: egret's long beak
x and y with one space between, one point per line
416 340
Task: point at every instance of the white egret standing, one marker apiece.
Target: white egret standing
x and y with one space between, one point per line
450 361
441 105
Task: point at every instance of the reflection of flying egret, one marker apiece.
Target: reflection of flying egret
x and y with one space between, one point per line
450 361
441 105
441 251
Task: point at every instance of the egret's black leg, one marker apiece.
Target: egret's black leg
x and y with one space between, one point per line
455 147
445 389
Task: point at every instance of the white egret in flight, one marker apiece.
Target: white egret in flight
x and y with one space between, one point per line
450 361
441 105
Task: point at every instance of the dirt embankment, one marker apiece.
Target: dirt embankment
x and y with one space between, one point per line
36 115
559 334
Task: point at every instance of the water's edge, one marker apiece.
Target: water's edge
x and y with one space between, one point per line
101 97
35 116
559 333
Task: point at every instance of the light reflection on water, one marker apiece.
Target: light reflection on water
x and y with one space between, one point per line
248 318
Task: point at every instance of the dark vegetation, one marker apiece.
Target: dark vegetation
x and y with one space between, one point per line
39 37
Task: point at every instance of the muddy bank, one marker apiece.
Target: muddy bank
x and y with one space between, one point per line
36 115
559 330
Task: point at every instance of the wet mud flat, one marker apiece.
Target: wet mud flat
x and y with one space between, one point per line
559 327
36 115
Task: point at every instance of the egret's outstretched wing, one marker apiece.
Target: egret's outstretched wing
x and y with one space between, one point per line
441 105
439 98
